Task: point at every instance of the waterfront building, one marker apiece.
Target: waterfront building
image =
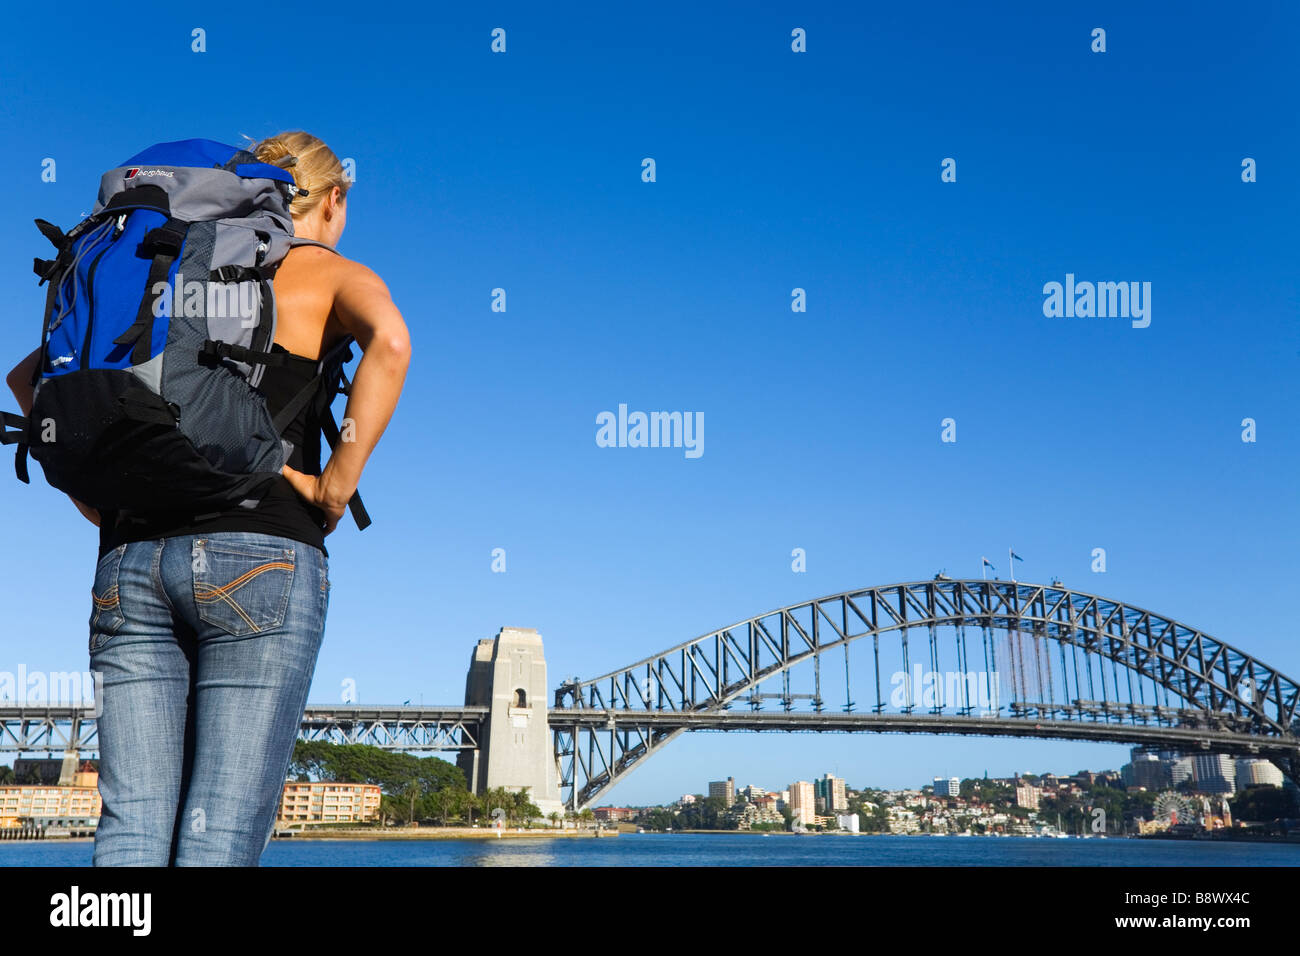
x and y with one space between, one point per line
615 814
1214 773
830 794
764 811
947 786
1252 772
1146 769
1027 795
74 807
902 821
802 803
327 801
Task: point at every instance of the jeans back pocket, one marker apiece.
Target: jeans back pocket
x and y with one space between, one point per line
242 588
106 615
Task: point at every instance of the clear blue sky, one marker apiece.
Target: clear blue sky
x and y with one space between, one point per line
822 429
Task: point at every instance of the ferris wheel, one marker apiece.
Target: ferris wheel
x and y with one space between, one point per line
1172 807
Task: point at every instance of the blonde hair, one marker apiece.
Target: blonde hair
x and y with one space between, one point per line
313 165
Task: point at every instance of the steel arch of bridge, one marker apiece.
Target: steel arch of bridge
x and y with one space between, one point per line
606 726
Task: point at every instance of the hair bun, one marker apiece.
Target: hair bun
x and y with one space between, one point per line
312 165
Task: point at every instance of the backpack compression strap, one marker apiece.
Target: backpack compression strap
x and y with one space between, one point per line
50 270
164 244
327 366
19 438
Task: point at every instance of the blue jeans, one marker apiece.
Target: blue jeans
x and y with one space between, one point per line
206 646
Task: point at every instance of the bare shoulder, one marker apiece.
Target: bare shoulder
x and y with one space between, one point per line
333 270
363 305
356 277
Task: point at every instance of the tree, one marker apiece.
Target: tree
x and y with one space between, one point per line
523 809
657 818
410 791
449 802
873 820
1263 804
497 798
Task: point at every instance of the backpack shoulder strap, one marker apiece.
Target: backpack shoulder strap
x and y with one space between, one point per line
338 356
321 388
330 428
328 372
303 241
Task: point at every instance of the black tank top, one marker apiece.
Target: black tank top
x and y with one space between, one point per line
280 512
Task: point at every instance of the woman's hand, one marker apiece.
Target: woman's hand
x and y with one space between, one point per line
316 491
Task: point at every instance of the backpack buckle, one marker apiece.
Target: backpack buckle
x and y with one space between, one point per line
214 350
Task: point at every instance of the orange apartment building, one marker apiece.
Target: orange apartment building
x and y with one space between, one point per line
73 807
328 801
78 806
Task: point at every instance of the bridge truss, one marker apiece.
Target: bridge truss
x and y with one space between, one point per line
72 728
1022 659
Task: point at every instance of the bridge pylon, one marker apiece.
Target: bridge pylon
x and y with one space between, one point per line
507 674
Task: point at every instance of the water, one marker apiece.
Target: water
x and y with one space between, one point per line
648 849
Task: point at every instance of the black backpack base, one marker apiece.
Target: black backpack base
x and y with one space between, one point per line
116 446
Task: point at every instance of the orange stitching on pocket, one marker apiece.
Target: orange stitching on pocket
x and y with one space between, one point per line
247 575
240 611
208 594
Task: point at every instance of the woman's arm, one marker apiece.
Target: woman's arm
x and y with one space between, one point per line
19 381
364 307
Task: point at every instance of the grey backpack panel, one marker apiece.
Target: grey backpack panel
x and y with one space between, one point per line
202 194
223 414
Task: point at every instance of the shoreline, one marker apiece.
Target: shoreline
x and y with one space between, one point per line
1292 840
439 833
462 833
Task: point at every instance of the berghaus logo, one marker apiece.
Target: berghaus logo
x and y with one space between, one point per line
136 172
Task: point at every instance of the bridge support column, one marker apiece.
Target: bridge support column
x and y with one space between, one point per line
71 764
507 674
1292 770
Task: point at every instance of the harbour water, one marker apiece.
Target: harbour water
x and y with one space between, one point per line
725 849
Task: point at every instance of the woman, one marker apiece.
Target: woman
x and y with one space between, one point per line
206 630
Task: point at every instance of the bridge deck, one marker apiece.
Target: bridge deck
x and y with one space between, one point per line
1195 738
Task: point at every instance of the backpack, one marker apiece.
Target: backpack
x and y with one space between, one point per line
158 325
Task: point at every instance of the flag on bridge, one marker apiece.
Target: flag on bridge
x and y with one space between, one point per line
987 563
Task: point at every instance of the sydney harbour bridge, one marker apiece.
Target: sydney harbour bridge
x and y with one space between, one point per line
940 656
